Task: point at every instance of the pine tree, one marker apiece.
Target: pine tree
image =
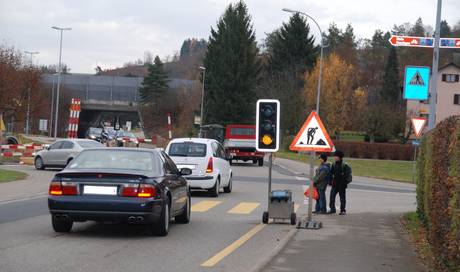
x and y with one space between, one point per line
391 89
232 68
154 84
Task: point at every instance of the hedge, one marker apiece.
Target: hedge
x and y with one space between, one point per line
382 151
438 191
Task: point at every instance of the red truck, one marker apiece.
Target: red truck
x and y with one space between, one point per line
239 142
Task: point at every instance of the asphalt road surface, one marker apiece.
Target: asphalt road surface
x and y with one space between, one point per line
225 233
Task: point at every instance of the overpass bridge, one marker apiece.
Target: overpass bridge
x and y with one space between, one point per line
104 98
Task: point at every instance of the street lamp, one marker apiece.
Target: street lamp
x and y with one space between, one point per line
202 68
61 29
310 201
28 91
320 58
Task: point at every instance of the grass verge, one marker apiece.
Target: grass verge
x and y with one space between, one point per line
418 237
383 169
8 175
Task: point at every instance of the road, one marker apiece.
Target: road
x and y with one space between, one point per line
225 233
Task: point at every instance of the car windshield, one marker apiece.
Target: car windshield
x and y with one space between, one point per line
89 144
127 134
117 159
95 130
187 149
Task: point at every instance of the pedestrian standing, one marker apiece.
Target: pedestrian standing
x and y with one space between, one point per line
341 177
320 181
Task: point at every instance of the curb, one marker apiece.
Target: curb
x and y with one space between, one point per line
283 243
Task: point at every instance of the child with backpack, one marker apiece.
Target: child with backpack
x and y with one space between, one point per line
320 181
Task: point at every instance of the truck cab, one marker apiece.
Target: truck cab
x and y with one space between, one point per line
240 144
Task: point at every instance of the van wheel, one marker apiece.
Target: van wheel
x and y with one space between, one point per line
214 191
261 162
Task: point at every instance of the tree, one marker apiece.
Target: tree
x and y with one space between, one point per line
445 29
332 38
339 99
391 89
232 68
418 29
154 84
290 53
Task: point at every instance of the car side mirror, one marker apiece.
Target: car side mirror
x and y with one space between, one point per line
47 147
185 171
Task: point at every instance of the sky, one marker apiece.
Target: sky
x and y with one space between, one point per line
109 33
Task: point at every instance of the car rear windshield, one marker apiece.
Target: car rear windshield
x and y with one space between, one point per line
95 130
243 131
187 149
89 144
117 159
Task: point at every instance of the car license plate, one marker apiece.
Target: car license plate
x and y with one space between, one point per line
99 190
189 166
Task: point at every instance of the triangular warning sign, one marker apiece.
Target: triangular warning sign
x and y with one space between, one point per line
418 124
417 80
312 136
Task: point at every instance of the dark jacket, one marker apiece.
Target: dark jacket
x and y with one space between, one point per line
320 180
341 175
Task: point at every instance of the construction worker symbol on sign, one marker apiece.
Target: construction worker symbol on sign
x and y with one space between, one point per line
417 80
312 136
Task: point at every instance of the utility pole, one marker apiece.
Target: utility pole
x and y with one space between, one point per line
59 79
203 69
28 92
434 71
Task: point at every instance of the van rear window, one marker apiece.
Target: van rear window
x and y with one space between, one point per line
243 131
187 149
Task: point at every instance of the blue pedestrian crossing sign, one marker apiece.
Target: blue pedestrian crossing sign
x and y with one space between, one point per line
416 82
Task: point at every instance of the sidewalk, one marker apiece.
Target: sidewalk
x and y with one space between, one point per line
369 238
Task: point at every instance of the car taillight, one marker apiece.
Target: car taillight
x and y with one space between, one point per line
146 190
130 190
55 188
209 168
139 190
63 188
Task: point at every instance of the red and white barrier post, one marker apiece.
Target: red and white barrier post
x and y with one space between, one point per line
75 108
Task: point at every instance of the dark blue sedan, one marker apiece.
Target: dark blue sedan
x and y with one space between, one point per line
137 186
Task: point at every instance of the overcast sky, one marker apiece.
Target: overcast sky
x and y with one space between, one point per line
111 32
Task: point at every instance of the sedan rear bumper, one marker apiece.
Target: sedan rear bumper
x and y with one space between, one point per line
83 208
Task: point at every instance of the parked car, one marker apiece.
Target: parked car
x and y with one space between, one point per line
137 186
94 133
126 139
208 161
61 152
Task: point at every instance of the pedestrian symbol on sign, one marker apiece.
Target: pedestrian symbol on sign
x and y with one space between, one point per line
417 80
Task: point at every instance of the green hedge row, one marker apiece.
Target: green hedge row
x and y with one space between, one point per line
438 191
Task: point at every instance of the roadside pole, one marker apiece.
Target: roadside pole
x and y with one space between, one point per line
434 75
270 164
414 164
310 199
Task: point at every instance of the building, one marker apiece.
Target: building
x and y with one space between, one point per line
448 102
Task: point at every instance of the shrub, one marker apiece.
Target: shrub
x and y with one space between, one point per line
438 191
383 151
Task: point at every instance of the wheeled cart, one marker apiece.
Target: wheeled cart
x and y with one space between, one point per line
280 206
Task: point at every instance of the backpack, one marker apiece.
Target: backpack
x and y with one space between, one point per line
329 174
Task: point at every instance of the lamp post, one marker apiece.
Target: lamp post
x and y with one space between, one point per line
203 69
61 29
28 91
310 200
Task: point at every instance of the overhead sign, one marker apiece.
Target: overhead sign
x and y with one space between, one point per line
416 82
423 42
312 136
418 123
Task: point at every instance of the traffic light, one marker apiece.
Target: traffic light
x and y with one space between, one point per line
268 125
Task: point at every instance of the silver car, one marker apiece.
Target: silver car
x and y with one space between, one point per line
61 152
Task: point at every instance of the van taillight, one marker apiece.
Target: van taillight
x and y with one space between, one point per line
63 188
209 168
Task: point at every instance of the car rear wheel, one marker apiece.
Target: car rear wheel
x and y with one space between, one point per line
39 163
215 190
161 228
184 217
261 162
228 189
61 224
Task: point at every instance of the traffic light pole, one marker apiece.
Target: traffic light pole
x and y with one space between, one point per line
270 164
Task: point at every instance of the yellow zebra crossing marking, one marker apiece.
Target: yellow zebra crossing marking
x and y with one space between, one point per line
244 208
205 205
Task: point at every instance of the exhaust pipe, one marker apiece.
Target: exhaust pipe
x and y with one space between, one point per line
140 218
131 219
